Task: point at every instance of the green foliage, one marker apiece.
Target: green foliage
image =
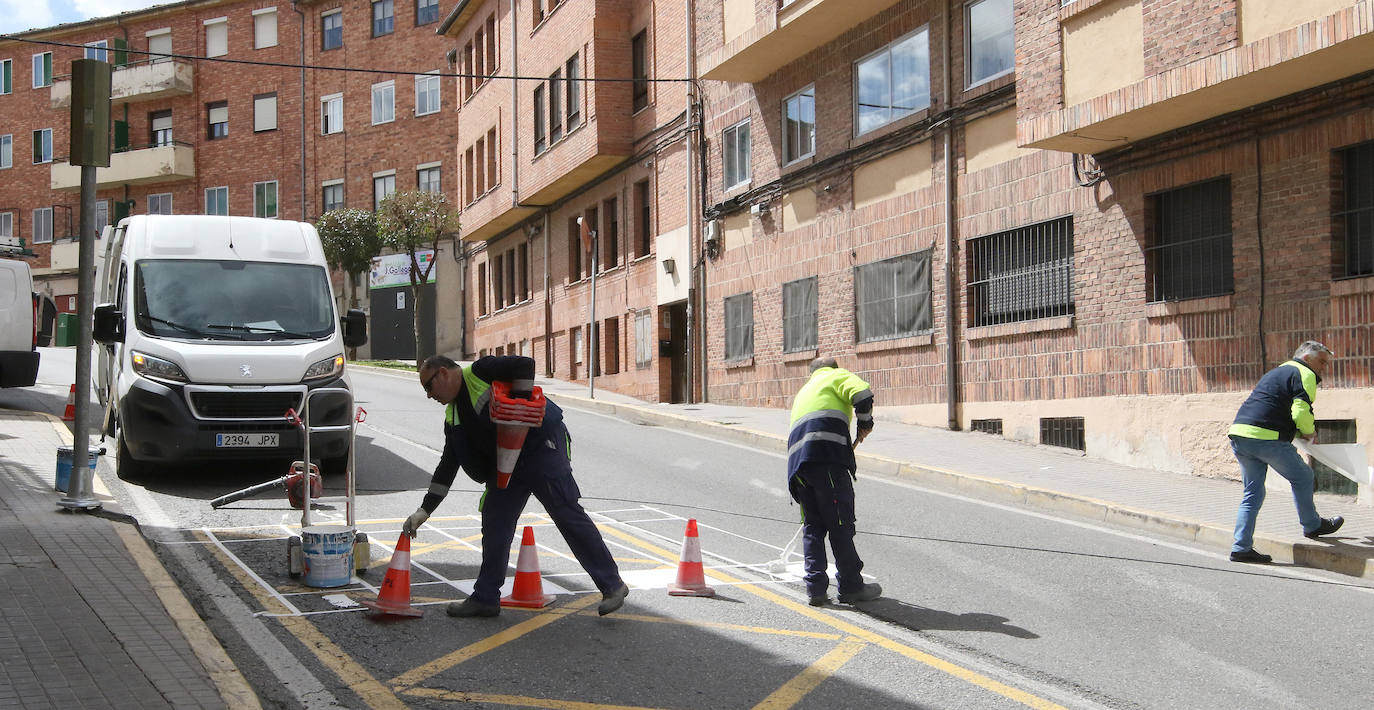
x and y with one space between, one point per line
350 239
415 220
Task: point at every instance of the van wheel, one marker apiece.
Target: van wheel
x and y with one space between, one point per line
126 466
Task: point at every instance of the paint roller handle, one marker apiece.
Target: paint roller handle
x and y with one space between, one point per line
251 490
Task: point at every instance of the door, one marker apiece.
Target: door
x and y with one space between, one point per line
392 317
677 350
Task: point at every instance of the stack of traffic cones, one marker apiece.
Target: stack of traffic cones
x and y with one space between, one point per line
528 591
69 414
394 596
514 416
691 576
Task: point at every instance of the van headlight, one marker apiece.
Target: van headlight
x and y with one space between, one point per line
155 368
330 367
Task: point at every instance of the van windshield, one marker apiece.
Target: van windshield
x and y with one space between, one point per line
232 300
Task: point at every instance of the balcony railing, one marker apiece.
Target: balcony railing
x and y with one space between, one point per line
141 81
144 166
796 27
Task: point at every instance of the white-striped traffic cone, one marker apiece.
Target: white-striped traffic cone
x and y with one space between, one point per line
691 576
528 591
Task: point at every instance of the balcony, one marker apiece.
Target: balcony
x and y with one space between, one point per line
145 81
1108 105
147 166
757 47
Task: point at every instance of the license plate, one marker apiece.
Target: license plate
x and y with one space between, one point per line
255 440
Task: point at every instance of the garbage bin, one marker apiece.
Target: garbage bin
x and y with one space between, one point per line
66 330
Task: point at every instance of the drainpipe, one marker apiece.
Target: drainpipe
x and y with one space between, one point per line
548 304
514 112
696 351
951 329
300 14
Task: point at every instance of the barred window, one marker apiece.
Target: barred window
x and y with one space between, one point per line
1190 253
1354 216
739 326
1022 274
892 297
799 315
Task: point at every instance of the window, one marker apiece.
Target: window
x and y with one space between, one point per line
6 76
264 112
491 43
265 28
575 267
735 154
574 102
265 199
6 224
426 95
42 225
383 18
42 70
217 200
102 216
644 339
217 120
539 128
799 125
1190 253
383 102
333 197
739 327
470 78
639 70
159 44
610 234
1067 432
331 114
1354 216
7 151
217 37
427 179
98 50
426 11
382 185
799 320
892 297
1022 274
555 112
160 203
643 218
331 30
893 82
160 128
469 179
989 38
42 146
493 164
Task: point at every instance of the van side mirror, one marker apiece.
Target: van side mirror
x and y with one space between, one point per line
354 327
109 325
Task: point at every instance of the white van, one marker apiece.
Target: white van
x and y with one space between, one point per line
18 325
213 328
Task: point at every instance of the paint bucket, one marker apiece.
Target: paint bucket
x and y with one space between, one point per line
328 555
65 455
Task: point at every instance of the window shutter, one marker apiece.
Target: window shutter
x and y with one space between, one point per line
217 39
121 136
264 113
219 114
265 30
121 51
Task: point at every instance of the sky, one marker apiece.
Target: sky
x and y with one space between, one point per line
21 15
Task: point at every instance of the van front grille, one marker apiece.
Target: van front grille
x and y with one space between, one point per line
244 405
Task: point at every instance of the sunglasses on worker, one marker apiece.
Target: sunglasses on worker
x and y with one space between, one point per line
429 382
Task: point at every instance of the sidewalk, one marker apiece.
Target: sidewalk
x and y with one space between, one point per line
1049 479
91 618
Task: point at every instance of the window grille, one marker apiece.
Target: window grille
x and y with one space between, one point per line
1063 431
799 315
1022 274
1354 221
892 297
1334 431
1190 256
987 426
739 327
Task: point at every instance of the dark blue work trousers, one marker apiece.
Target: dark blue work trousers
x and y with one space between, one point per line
558 493
825 492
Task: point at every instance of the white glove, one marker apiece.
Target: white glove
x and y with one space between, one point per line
413 523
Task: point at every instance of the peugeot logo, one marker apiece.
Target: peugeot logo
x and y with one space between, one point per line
246 370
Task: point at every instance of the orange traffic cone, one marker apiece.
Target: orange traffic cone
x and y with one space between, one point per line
528 591
513 416
509 440
394 596
69 414
691 577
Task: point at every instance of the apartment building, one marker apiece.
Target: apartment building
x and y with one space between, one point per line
1091 224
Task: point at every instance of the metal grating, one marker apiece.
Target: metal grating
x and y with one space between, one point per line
1063 431
1354 222
1022 274
987 426
244 405
1190 253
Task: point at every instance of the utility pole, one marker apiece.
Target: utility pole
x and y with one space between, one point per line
589 242
90 148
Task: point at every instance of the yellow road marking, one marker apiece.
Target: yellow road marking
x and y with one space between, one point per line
458 696
794 690
964 674
725 627
439 665
369 689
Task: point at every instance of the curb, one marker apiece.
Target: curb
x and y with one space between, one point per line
1324 556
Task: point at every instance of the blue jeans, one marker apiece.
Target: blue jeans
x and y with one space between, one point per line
1256 457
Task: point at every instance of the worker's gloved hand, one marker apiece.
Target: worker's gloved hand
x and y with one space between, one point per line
413 523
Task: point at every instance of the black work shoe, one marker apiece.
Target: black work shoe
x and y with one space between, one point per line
1251 556
1328 526
819 599
610 601
472 607
867 593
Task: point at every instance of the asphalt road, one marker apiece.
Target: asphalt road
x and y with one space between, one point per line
984 606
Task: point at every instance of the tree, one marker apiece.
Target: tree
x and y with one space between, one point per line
350 242
409 222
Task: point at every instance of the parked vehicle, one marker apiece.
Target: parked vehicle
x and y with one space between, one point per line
19 318
212 329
